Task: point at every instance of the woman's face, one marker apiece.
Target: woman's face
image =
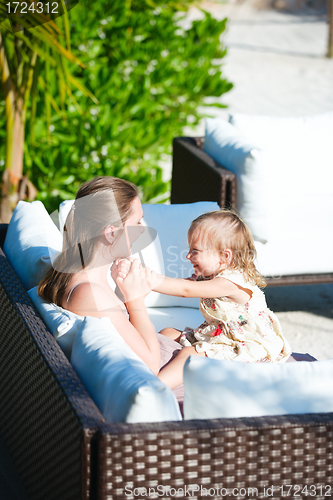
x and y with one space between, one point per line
134 219
131 230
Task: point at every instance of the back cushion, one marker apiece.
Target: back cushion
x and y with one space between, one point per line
32 242
62 324
243 157
167 254
283 169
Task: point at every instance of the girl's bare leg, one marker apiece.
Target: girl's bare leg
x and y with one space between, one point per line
172 374
172 333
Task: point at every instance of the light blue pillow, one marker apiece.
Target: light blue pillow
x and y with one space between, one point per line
167 254
226 389
227 145
32 242
62 324
119 382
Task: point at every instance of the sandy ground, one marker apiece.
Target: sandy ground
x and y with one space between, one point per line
277 63
306 316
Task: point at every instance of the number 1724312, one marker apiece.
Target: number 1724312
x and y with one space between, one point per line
26 8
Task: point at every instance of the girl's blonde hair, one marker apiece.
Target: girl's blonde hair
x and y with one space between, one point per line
223 230
99 203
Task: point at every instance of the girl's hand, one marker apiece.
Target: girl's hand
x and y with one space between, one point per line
137 282
120 268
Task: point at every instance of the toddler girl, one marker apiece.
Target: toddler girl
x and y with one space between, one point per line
238 324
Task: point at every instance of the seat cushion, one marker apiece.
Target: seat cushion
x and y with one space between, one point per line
175 317
231 389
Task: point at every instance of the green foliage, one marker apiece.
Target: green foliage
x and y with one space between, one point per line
2 132
149 75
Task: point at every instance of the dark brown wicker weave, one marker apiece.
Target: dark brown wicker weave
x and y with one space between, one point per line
62 449
196 176
47 418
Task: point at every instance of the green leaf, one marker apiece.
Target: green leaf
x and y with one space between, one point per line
142 83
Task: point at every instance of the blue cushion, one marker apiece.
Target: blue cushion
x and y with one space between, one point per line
120 383
32 242
62 324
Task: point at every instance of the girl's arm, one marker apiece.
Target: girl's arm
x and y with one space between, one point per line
216 287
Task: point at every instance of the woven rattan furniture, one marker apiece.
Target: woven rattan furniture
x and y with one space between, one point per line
62 448
196 176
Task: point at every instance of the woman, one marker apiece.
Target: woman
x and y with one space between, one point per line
104 221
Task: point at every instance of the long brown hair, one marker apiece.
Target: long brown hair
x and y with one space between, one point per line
101 202
223 230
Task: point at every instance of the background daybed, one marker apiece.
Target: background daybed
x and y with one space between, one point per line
277 173
63 449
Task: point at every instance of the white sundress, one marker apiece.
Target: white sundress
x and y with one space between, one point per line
248 333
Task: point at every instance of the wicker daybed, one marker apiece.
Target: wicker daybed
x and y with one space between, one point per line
196 176
62 448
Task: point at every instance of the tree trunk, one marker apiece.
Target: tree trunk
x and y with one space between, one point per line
13 172
14 186
330 28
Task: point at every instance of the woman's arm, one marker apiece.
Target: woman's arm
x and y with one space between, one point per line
134 287
139 333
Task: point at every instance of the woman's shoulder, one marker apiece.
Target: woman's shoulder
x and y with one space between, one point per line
86 298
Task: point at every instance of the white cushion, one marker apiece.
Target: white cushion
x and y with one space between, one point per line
296 256
62 324
228 389
244 158
32 242
167 254
313 131
64 209
286 176
175 317
120 383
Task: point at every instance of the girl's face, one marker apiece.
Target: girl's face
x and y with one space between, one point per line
205 262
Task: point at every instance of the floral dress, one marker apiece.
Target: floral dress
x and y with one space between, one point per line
248 333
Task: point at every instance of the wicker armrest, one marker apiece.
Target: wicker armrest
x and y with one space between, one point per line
47 419
230 456
196 176
3 232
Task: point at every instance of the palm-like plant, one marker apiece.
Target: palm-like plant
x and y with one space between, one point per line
24 50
